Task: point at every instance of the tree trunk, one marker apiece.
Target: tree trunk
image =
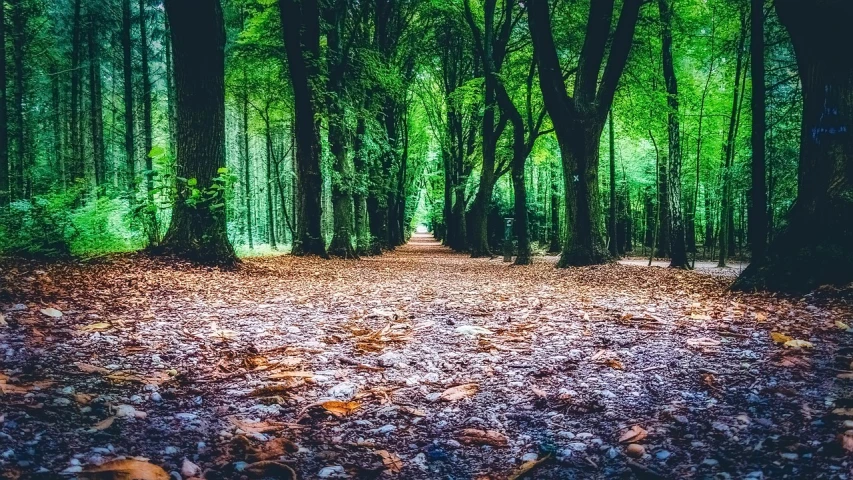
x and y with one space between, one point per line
301 30
362 229
170 89
758 206
96 103
676 213
342 202
198 230
270 185
147 132
76 167
18 29
555 243
5 193
814 249
247 162
127 71
611 223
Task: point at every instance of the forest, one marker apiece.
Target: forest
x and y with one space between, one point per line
424 238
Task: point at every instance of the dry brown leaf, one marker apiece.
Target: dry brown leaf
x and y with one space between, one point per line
474 436
413 411
83 398
97 327
527 467
794 361
88 368
615 364
798 344
104 424
124 470
847 441
459 392
779 337
339 408
393 463
843 412
700 316
256 427
634 435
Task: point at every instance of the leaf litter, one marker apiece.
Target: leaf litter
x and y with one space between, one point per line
440 365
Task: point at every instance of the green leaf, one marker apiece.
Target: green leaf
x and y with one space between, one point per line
157 152
192 182
222 170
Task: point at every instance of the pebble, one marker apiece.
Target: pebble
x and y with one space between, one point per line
343 391
452 443
566 434
710 462
292 329
529 457
420 460
433 397
189 469
170 450
635 450
390 359
61 401
663 455
564 454
790 456
719 426
186 416
583 436
156 397
136 399
386 429
67 391
335 471
577 446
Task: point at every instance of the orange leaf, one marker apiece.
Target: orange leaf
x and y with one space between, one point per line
459 392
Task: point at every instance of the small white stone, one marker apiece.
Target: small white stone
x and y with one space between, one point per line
189 469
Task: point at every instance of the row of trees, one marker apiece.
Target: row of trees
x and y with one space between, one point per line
340 125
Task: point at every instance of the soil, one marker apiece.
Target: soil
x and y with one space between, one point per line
418 364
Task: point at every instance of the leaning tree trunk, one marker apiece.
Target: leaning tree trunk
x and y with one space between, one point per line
814 249
198 228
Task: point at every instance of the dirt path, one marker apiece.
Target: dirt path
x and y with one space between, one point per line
226 369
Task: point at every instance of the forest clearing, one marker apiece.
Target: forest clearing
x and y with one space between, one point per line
456 239
421 363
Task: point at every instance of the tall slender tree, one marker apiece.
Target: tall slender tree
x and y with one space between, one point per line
127 75
5 185
758 206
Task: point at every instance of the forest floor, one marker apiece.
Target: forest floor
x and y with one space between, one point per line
418 364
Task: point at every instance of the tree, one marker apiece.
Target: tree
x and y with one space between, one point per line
579 119
127 74
300 22
814 248
678 247
758 193
5 185
198 227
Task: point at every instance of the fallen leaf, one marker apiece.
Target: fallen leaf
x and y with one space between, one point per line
459 392
799 344
393 463
760 317
842 325
413 411
474 436
634 435
255 427
845 376
527 467
104 424
51 312
88 368
473 330
97 327
294 374
615 363
700 316
843 412
847 441
124 470
3 322
340 408
703 342
83 398
779 337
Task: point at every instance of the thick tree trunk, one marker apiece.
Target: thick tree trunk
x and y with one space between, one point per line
198 230
301 29
678 249
814 249
342 202
362 228
758 206
5 193
556 233
171 113
127 72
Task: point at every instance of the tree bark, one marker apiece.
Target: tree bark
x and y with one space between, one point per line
578 120
127 72
76 167
19 22
814 248
611 221
96 111
198 231
758 224
678 248
5 193
342 201
301 29
147 127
